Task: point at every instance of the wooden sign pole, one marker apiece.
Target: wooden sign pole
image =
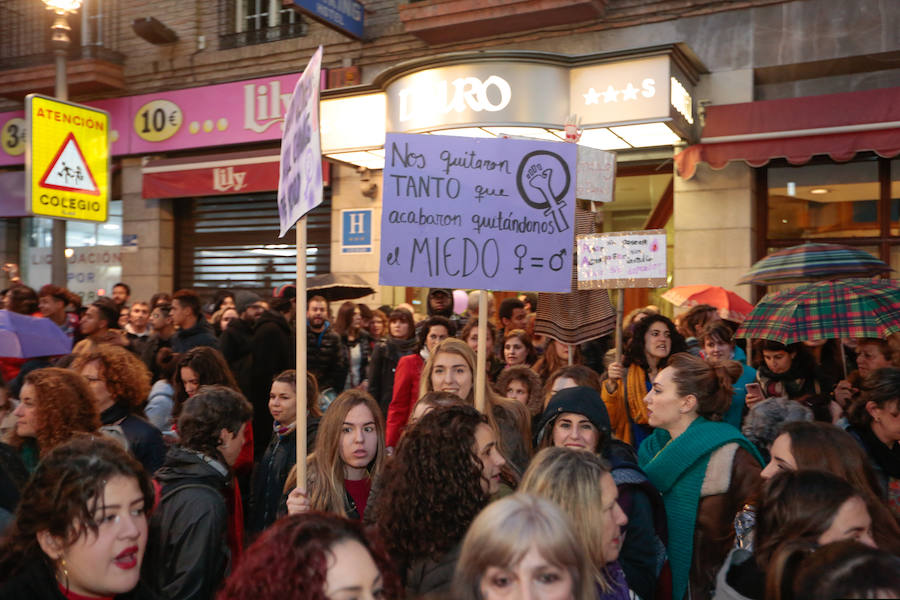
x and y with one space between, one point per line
301 353
481 357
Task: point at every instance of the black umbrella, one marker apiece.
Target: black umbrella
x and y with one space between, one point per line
337 286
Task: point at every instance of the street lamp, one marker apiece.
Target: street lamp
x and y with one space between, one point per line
60 43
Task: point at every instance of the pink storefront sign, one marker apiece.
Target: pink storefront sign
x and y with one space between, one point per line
240 112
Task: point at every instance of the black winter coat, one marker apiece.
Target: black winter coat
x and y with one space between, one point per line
324 358
272 351
187 549
200 334
144 440
236 348
383 366
37 582
268 481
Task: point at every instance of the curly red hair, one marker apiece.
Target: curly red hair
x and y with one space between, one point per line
127 378
64 406
290 559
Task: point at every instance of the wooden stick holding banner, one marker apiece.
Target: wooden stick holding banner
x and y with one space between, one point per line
300 312
300 191
481 355
625 259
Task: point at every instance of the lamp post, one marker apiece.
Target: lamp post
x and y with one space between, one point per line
60 42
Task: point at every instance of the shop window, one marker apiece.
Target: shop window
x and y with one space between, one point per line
246 22
824 201
232 242
855 203
93 251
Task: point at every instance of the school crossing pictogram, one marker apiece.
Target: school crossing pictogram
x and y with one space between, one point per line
68 171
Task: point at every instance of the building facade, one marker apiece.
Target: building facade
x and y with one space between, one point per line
768 108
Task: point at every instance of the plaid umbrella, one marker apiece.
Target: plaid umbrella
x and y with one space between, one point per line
851 308
813 262
729 305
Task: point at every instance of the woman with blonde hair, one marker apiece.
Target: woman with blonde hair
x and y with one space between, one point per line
582 485
451 368
522 542
348 458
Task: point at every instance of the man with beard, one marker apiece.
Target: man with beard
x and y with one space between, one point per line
324 358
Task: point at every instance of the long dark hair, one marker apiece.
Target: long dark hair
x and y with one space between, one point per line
210 367
62 498
432 487
798 506
634 351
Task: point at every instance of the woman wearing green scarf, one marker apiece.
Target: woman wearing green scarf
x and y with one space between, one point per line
705 469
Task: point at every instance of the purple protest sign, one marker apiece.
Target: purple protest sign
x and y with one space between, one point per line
494 214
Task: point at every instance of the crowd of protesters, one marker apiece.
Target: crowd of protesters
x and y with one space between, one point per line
158 459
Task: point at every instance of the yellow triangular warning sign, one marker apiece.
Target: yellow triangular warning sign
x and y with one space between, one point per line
68 171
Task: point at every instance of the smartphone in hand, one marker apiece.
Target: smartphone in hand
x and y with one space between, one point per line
754 389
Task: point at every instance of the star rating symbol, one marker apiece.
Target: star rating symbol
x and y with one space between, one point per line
592 97
610 95
630 93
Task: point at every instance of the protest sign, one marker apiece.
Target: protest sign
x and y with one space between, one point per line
300 183
470 213
625 259
596 175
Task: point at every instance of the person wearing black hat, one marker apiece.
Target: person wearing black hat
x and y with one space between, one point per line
440 304
576 417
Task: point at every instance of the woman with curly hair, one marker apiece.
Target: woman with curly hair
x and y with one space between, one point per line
347 459
522 384
556 356
445 471
311 557
655 339
81 527
54 404
121 383
451 368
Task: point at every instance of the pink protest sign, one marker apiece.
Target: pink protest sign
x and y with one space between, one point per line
210 116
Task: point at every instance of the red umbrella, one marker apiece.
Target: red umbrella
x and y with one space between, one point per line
729 305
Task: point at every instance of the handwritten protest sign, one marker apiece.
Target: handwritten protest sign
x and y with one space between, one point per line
300 184
596 175
625 259
478 213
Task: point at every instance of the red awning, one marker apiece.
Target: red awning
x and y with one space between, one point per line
837 125
215 175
